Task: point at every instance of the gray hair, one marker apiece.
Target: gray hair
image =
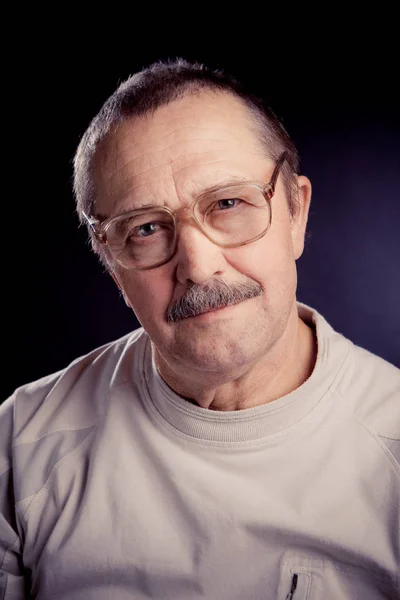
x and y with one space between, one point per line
160 84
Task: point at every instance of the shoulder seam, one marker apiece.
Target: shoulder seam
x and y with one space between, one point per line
384 450
45 487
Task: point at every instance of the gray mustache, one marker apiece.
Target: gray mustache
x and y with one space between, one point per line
201 298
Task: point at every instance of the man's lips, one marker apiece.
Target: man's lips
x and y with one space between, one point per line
208 311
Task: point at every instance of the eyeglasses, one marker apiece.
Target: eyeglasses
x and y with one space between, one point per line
230 216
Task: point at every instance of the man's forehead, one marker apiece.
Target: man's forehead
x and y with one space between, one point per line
132 156
206 117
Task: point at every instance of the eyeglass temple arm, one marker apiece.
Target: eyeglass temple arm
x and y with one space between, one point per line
278 166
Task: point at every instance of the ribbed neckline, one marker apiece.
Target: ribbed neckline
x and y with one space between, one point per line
260 422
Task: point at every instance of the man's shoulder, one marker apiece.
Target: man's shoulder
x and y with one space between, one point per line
371 388
77 392
369 384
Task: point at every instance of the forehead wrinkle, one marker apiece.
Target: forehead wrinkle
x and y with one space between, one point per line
161 165
175 172
182 129
166 149
115 208
137 145
155 166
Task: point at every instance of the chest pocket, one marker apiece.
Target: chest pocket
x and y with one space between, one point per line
306 578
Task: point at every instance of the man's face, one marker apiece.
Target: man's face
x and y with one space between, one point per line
169 158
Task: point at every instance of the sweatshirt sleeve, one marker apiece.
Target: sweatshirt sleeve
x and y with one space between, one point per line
14 578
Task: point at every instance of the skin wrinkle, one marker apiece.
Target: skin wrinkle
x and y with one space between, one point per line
146 154
173 180
251 352
188 155
159 166
141 156
160 150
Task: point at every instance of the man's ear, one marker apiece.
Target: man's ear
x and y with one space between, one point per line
119 285
300 217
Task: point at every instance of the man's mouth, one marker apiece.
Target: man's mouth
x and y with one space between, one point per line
213 309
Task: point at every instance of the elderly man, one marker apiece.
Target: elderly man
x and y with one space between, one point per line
235 446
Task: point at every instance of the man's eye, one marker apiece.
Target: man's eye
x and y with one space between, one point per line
228 203
145 230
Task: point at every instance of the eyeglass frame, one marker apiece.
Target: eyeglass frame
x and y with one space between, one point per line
99 226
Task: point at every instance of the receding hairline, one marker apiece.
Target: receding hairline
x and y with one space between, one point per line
251 118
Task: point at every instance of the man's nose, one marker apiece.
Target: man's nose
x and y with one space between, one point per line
197 258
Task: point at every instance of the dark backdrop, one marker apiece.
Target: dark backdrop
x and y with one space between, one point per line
338 101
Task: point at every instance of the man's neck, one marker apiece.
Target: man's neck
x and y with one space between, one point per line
267 381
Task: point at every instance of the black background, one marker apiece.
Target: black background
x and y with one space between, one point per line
335 88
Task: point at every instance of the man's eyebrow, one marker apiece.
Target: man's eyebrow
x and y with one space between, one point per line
221 184
142 205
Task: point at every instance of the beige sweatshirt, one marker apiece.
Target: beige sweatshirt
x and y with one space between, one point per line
114 487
